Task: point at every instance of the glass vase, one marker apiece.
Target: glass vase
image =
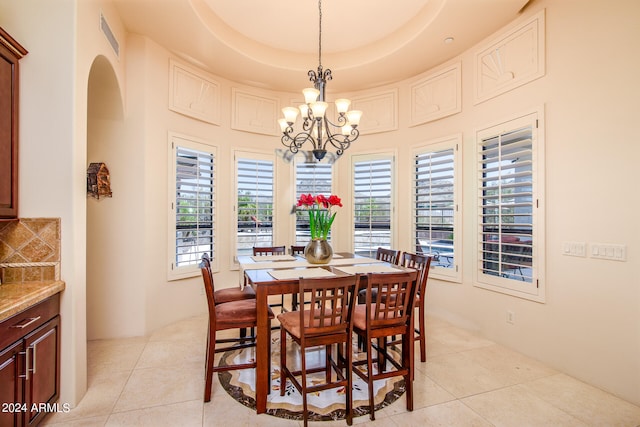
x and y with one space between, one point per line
318 251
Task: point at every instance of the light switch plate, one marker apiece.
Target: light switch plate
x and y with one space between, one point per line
578 249
609 251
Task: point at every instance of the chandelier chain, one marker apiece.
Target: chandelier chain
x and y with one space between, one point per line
320 33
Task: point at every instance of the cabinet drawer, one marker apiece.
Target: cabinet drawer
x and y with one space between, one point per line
23 323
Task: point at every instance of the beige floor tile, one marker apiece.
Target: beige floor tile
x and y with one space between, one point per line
483 369
185 414
447 339
83 422
162 386
222 408
446 414
194 328
108 356
516 406
101 397
167 353
587 403
462 375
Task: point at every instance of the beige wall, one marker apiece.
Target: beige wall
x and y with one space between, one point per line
589 326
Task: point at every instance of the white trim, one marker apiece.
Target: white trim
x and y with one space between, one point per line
187 141
454 142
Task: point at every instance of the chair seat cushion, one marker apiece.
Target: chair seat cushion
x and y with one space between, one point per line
237 314
291 321
234 294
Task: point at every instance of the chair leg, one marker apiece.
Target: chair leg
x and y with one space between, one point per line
423 337
303 383
283 361
370 377
382 354
407 363
349 393
208 376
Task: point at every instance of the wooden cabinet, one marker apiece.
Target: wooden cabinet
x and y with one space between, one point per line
10 53
30 364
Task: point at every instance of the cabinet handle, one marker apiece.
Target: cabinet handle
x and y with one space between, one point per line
25 322
34 351
26 364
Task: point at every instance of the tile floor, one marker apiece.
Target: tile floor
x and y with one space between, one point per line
466 381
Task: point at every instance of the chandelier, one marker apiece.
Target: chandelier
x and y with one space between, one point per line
316 127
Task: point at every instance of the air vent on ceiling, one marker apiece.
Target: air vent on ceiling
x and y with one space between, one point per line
104 26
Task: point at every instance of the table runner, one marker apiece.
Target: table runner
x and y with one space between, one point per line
263 258
300 272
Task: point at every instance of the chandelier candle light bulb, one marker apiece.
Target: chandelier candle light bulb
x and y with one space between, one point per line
313 113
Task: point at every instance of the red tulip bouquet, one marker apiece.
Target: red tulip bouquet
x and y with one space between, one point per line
320 215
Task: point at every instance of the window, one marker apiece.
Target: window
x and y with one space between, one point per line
510 222
311 178
192 207
254 208
436 210
372 203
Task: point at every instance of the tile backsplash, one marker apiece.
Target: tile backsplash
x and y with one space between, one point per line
30 250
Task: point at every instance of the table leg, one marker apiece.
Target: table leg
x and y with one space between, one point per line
263 358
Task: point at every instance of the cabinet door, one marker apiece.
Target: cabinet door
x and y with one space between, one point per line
11 369
10 53
43 385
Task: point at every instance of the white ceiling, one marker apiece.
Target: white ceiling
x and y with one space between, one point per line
273 43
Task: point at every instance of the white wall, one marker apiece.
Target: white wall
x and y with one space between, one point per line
589 325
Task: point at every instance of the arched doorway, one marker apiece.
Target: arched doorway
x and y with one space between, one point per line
108 299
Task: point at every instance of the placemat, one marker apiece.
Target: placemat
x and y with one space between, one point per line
301 272
364 269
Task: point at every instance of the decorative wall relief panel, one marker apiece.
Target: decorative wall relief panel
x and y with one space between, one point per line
379 112
511 59
252 113
437 95
193 93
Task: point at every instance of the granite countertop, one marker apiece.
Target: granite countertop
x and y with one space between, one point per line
15 297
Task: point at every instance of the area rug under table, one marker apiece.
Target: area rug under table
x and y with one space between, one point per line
323 406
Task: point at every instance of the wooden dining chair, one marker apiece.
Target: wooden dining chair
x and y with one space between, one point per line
272 250
422 264
326 322
295 250
230 294
239 314
387 311
391 256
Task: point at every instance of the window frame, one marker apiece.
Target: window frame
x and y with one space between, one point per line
176 140
370 157
536 289
257 156
454 143
297 162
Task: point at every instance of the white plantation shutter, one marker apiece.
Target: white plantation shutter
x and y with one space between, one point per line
314 179
255 196
509 222
192 206
372 203
435 206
